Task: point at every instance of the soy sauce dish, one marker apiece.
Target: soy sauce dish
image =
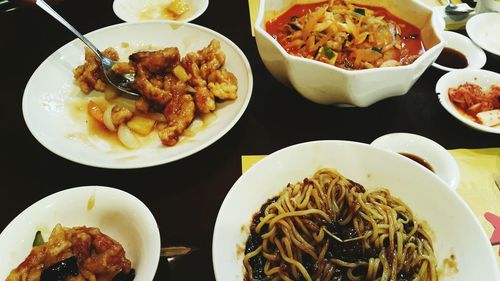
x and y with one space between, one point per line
459 53
424 151
98 213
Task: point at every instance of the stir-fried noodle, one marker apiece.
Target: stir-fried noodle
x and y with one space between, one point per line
329 228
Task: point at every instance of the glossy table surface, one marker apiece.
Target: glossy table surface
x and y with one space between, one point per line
185 195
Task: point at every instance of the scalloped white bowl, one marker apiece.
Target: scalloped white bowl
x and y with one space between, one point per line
326 84
116 213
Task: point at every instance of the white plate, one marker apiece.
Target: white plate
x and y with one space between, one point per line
483 29
52 88
441 161
456 229
135 10
116 213
453 79
476 57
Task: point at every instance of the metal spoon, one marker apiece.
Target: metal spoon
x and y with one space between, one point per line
121 82
457 12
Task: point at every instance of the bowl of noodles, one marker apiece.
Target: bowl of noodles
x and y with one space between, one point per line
354 52
328 210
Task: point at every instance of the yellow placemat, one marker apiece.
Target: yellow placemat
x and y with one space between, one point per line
253 7
478 169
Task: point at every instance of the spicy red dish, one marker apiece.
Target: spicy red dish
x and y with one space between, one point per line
346 35
75 254
481 106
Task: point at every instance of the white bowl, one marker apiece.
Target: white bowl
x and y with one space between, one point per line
456 229
453 79
476 57
51 93
134 10
483 29
326 84
116 213
441 161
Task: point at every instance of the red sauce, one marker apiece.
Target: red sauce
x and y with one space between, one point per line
411 39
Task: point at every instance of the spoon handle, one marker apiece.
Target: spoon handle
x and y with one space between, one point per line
42 4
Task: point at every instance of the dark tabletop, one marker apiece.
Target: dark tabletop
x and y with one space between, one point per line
275 118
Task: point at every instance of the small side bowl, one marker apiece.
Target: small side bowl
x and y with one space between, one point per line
483 30
326 84
116 213
453 79
441 161
476 57
130 10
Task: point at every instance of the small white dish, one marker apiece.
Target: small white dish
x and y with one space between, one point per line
440 160
51 92
456 230
476 58
143 10
453 79
484 30
116 213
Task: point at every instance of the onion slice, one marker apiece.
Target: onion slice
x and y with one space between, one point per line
106 118
127 138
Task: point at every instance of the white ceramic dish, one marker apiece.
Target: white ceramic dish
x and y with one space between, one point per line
143 10
326 84
51 89
456 229
453 79
441 161
116 213
475 56
483 29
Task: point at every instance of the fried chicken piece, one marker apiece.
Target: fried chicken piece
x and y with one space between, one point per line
206 64
204 61
99 256
157 62
150 67
142 105
89 76
223 84
120 115
179 113
205 100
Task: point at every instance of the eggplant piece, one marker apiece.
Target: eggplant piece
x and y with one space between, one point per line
125 276
61 270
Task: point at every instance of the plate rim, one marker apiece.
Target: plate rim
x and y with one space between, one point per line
127 165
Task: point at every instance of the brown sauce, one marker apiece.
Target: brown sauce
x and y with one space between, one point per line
452 58
419 160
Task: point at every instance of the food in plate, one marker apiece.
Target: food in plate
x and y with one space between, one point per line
174 91
476 104
174 10
328 227
346 35
78 253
